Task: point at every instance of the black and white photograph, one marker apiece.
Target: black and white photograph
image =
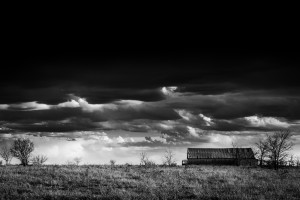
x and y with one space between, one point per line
123 124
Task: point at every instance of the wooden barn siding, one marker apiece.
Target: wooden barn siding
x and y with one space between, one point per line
224 161
211 161
251 162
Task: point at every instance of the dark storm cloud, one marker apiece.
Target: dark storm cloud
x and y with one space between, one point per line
39 115
129 113
224 86
78 114
236 105
105 77
52 127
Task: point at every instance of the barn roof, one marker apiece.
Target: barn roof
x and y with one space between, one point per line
220 153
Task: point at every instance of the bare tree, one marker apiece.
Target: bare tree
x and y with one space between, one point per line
77 160
6 154
169 158
291 161
236 152
262 150
22 149
68 162
297 162
235 144
144 158
39 160
112 163
278 145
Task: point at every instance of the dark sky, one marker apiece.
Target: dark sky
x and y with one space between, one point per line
116 104
48 77
135 90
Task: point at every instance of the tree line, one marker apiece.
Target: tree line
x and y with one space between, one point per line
22 150
272 150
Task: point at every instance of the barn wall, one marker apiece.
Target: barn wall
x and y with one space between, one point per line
248 162
211 161
243 162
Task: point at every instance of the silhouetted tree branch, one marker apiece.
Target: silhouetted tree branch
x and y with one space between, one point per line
262 150
278 145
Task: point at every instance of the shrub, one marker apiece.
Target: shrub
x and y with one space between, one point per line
112 163
5 153
77 160
39 160
22 149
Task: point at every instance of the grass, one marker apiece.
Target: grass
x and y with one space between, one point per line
135 182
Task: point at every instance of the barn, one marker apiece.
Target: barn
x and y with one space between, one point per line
220 156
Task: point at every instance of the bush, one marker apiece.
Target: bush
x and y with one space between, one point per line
39 160
112 163
22 149
150 163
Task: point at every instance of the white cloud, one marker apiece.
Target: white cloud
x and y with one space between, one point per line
5 135
266 122
193 131
30 106
166 126
120 139
94 107
104 139
185 114
129 102
4 106
169 91
208 120
69 104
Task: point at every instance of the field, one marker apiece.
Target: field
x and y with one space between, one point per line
136 182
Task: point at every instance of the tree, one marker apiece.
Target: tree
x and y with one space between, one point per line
236 152
68 162
144 158
6 154
112 163
169 158
77 160
235 144
297 162
39 160
291 161
262 150
278 145
22 149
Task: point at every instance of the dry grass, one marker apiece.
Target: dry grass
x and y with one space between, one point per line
135 182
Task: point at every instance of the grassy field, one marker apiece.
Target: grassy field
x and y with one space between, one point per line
135 182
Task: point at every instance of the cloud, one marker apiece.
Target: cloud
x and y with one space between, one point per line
25 106
169 91
175 114
4 106
186 115
266 122
69 104
237 105
193 131
207 120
